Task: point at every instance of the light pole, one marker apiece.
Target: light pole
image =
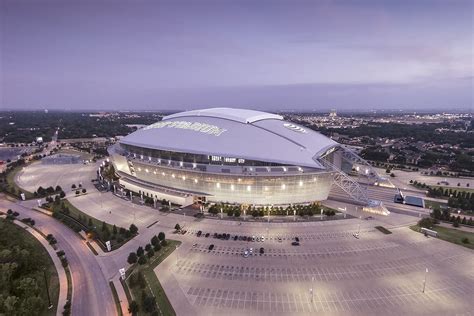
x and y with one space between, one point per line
177 256
424 281
312 290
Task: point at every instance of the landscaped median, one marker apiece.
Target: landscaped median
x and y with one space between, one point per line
101 231
143 289
455 236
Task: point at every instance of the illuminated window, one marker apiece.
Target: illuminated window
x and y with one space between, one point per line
139 169
241 161
184 178
163 173
300 183
218 185
230 159
232 187
249 188
180 163
195 180
283 186
146 170
173 175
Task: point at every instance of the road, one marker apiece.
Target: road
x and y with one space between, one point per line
91 291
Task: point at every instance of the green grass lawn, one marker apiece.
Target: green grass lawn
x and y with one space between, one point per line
434 204
12 184
156 290
31 262
454 188
452 235
78 214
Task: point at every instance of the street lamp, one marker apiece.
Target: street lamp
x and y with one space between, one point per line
312 289
177 256
424 281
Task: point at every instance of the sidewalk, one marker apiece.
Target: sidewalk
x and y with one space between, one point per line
57 264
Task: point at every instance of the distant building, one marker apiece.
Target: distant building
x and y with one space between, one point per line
61 159
333 113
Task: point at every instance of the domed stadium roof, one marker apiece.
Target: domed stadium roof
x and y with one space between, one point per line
235 133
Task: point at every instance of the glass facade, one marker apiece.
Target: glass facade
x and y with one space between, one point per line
278 188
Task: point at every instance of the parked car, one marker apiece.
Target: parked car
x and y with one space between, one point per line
199 233
297 239
295 243
262 238
207 235
262 251
253 238
258 238
236 237
246 254
251 251
211 246
279 239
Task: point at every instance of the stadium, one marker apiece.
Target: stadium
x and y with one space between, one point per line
235 156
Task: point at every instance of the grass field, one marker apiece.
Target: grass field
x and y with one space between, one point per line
154 288
12 184
452 235
37 258
434 204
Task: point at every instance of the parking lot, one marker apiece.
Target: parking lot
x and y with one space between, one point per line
374 274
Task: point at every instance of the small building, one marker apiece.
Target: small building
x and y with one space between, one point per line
61 159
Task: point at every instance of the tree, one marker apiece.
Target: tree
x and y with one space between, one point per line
149 304
84 190
157 247
147 247
177 227
161 236
133 229
140 251
132 258
142 260
58 188
133 308
73 186
426 222
62 194
104 226
151 253
114 230
154 240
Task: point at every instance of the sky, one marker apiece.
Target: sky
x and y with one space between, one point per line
258 54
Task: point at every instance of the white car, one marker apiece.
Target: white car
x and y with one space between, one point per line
251 251
262 238
253 238
246 254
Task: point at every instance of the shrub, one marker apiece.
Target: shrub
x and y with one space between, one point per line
133 308
151 253
426 222
140 251
133 229
154 240
177 227
465 240
132 258
147 247
161 236
157 247
142 259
